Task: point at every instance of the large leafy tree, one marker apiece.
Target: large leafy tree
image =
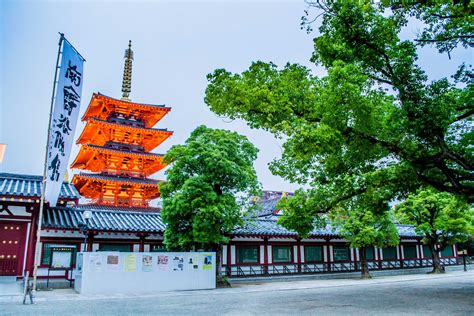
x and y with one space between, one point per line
209 181
374 128
441 218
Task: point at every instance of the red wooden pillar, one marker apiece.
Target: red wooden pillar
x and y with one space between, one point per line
298 254
265 255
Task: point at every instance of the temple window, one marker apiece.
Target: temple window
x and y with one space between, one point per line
409 251
313 254
247 254
341 253
282 253
115 247
389 253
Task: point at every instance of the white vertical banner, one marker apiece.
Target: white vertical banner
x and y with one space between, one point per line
64 120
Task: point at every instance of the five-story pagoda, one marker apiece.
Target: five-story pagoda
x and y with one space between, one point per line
116 144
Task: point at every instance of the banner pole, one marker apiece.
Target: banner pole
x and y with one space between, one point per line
45 171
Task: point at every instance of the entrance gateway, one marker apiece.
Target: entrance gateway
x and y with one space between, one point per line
12 247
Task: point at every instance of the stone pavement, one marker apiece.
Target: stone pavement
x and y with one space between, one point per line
446 294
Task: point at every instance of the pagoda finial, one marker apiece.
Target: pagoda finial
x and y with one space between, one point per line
127 73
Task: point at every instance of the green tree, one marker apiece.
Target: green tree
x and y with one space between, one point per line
364 228
374 127
441 218
208 184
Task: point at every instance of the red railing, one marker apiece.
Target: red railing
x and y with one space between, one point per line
247 270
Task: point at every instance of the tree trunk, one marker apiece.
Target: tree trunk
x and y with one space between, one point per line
220 280
436 261
364 267
218 263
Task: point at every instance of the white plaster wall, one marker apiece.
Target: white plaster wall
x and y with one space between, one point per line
18 210
136 248
331 254
325 253
270 257
102 280
146 248
302 253
95 247
351 251
232 255
262 254
376 252
402 254
399 255
224 254
295 253
357 254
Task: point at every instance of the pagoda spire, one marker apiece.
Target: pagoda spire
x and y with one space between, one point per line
127 73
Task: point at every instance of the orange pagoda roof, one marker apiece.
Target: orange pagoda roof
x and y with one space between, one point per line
99 132
97 159
120 190
101 106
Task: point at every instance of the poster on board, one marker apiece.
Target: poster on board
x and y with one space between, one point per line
130 263
162 262
207 262
113 262
193 263
178 263
147 263
61 259
95 262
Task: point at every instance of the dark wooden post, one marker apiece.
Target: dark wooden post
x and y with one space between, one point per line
265 255
90 241
328 255
298 254
142 242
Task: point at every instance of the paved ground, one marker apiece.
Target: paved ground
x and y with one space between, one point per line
448 294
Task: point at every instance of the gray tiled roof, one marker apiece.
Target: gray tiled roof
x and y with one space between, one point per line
270 227
30 186
115 219
103 220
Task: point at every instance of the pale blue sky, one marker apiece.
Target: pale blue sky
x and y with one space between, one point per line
176 44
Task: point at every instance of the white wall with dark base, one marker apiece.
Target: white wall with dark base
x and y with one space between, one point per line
144 272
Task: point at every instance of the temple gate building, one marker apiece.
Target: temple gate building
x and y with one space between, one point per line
115 163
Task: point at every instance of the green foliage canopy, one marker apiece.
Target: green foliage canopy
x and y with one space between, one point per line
373 129
441 218
210 178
